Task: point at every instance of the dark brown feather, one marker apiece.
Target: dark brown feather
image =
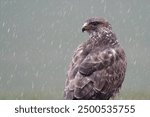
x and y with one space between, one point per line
97 69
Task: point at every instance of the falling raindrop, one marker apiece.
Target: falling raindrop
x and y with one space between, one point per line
11 76
3 24
128 11
52 43
10 79
60 46
22 94
130 39
44 65
37 74
92 9
16 66
32 85
43 87
134 62
8 30
14 54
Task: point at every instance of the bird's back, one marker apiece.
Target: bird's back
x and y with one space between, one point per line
100 84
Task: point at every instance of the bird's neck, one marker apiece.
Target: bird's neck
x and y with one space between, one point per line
103 36
95 35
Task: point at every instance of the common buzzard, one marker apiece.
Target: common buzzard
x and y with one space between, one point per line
98 66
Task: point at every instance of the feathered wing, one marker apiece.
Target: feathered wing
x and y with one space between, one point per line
97 60
94 74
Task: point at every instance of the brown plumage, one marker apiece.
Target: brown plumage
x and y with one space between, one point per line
98 66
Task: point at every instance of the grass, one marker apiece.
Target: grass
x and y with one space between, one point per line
134 96
58 95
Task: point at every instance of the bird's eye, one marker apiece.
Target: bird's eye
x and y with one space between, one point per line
95 23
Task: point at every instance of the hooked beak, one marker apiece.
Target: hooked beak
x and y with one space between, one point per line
85 27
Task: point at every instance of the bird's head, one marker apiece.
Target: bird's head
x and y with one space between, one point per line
95 24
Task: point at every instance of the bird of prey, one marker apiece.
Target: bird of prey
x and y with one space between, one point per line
98 66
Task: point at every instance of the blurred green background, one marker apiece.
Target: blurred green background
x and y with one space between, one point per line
38 37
